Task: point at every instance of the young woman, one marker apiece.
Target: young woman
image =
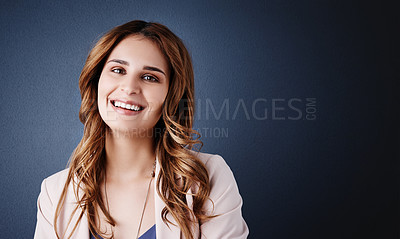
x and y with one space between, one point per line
135 173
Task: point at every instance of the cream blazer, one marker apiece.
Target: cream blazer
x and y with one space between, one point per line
224 194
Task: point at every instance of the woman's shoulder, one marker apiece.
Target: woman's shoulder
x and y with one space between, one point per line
225 201
215 164
208 158
54 184
58 177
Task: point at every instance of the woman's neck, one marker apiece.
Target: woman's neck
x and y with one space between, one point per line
129 157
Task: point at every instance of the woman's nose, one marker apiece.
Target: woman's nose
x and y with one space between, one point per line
131 85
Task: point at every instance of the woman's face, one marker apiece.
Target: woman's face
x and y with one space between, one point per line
133 85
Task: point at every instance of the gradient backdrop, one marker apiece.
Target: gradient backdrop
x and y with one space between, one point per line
299 97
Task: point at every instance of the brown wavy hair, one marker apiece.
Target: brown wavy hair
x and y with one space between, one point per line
175 136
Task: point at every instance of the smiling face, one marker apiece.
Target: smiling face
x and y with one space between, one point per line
133 85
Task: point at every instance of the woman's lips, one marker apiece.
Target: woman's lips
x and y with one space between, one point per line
126 107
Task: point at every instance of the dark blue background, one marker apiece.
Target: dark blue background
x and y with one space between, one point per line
332 177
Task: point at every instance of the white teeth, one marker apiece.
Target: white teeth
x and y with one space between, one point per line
126 106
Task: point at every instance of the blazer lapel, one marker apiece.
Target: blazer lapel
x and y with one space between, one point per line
162 229
82 229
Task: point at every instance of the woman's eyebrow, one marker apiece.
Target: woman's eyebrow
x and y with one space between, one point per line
152 68
122 62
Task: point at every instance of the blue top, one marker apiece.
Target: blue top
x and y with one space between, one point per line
149 234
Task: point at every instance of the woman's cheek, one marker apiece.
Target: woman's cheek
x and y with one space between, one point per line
103 92
154 111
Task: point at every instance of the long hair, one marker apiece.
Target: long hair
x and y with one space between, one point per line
175 136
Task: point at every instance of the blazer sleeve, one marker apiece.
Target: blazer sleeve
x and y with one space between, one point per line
226 204
45 215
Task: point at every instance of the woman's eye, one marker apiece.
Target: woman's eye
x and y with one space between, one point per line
118 70
150 78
